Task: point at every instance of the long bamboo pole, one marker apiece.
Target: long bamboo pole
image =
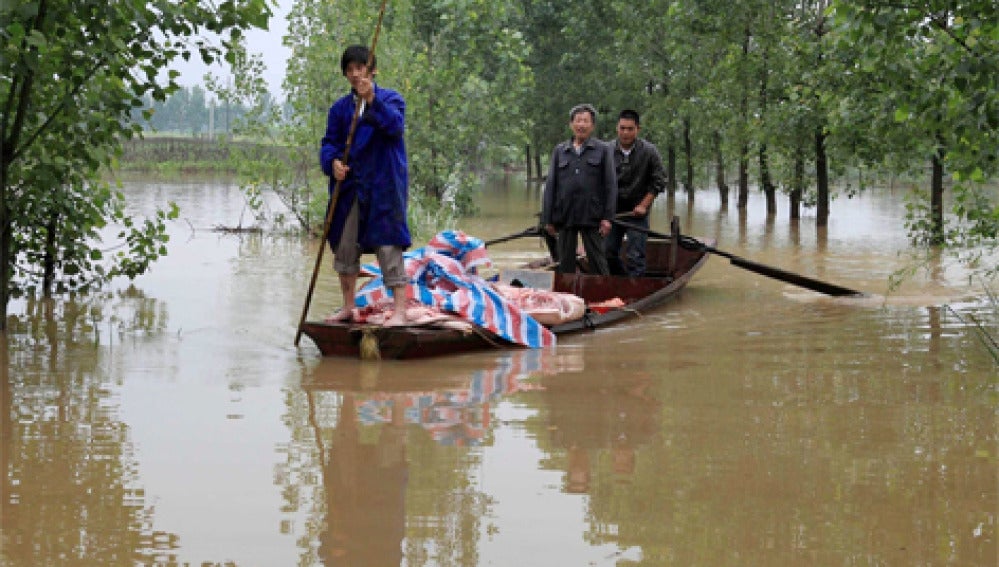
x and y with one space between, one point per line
336 188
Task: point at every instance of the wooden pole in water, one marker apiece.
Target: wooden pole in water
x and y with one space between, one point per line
336 188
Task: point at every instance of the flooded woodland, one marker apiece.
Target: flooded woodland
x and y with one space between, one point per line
172 421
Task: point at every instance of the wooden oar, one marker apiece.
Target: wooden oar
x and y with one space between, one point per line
336 188
762 269
527 232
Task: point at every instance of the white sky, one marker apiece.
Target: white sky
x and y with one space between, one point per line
266 43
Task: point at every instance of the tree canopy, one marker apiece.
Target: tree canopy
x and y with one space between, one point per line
71 71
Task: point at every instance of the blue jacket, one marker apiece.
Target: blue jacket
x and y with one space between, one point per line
379 172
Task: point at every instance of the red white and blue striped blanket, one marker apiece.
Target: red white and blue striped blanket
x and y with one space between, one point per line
443 274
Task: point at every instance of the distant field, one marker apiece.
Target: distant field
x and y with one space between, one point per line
179 153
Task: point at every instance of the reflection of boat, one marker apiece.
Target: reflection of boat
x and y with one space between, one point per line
365 422
670 268
453 410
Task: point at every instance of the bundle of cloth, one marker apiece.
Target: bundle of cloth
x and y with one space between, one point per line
445 289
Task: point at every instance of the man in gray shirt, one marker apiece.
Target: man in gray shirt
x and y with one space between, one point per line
580 194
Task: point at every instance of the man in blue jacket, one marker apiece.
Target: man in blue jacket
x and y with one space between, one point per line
370 211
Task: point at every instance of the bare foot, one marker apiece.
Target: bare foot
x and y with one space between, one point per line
396 321
341 315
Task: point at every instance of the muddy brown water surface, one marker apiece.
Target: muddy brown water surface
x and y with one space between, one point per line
173 422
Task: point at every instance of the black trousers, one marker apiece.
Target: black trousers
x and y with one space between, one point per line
593 244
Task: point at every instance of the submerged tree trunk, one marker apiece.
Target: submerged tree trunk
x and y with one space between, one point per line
720 170
688 153
765 181
936 195
527 161
671 168
743 200
821 178
798 187
537 164
768 186
49 261
6 250
744 178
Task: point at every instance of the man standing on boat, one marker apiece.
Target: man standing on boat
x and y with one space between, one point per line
370 209
640 177
580 193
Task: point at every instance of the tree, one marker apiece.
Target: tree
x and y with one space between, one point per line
459 65
468 76
930 68
71 72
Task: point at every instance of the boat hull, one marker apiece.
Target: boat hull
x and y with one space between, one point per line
671 268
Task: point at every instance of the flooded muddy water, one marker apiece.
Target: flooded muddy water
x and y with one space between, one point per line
173 421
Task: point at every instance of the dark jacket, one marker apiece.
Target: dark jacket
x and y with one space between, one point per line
379 172
638 175
581 189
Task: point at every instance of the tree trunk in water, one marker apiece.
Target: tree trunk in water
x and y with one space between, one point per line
527 161
49 261
821 178
768 186
936 195
799 185
743 200
821 159
688 152
765 182
671 168
6 243
720 170
744 178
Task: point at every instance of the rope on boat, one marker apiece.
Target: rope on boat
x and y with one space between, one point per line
485 336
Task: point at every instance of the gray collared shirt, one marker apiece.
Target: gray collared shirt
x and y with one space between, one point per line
581 188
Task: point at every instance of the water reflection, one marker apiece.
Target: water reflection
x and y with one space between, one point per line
399 459
451 409
597 414
103 318
365 484
71 494
743 424
371 423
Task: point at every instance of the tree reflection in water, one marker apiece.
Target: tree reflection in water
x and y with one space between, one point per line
70 486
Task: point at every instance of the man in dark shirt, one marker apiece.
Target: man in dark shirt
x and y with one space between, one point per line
580 193
640 177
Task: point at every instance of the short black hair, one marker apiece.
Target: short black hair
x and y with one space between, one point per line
356 54
629 114
583 108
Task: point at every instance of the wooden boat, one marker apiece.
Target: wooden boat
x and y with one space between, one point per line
670 267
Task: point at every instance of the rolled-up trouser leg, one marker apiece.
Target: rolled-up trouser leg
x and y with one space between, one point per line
347 256
391 263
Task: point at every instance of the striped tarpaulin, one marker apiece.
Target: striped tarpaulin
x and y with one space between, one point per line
443 274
